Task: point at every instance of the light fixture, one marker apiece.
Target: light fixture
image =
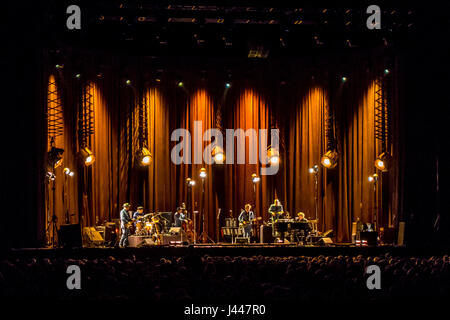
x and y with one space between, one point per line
373 178
329 159
314 169
180 84
190 182
218 154
87 156
387 71
202 173
344 79
255 178
128 82
68 172
144 156
227 85
59 66
273 155
55 158
382 162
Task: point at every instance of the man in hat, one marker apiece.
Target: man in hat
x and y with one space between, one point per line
139 213
124 219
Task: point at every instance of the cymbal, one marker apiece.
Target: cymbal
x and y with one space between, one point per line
148 215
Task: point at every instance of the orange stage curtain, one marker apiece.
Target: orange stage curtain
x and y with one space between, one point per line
248 110
305 145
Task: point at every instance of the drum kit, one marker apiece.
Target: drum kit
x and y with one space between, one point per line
151 224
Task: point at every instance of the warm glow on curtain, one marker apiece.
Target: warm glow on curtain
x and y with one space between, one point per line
200 108
160 189
102 170
306 144
356 164
250 111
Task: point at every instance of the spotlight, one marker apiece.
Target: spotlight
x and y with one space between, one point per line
382 162
227 85
144 156
255 178
180 84
68 172
344 79
55 157
329 159
202 173
78 76
218 155
387 71
50 176
314 169
59 66
373 178
87 156
128 82
190 182
273 155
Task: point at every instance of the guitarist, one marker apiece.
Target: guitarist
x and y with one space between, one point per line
245 220
124 221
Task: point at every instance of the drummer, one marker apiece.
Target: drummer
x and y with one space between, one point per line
179 217
139 213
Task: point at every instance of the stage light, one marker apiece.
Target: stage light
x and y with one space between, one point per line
387 71
54 157
218 155
344 79
273 155
68 172
314 169
382 162
78 76
202 173
329 159
59 66
255 178
87 156
50 176
128 82
190 182
144 156
373 178
227 85
180 84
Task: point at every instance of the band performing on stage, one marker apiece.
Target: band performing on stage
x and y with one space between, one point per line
177 227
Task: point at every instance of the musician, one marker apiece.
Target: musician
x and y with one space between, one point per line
245 219
139 213
124 219
276 210
179 216
301 217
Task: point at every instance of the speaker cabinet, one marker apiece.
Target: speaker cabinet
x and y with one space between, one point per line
266 234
